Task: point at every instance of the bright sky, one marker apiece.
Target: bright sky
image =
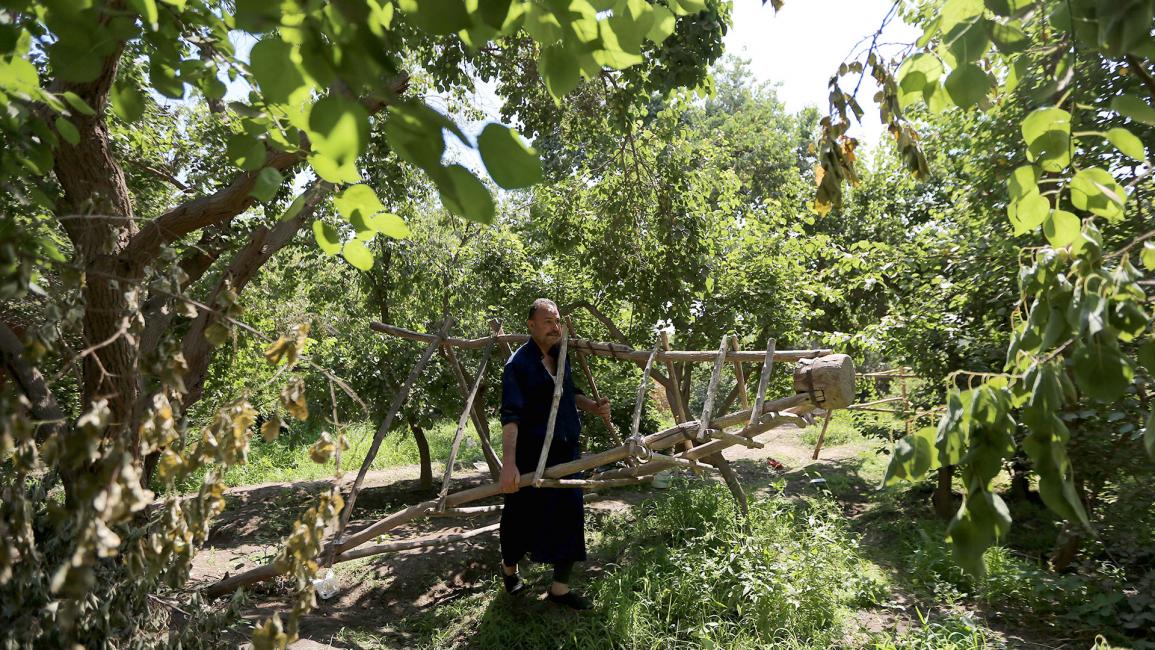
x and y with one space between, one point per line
802 45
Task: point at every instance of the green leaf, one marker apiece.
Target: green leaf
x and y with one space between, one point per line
967 85
416 135
268 182
510 162
148 11
687 7
1096 191
437 16
1127 143
330 170
67 130
1148 255
981 520
957 11
541 24
164 78
559 70
77 104
127 102
464 195
257 16
1023 181
18 74
279 79
663 25
1101 372
294 208
914 456
1146 356
1061 228
389 224
915 75
1047 132
1134 108
327 238
1028 212
969 40
358 201
356 253
246 152
1009 38
339 129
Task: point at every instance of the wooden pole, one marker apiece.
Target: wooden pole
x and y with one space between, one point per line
740 375
461 424
393 547
495 326
821 435
640 400
711 388
558 386
604 349
581 357
737 440
905 406
394 408
674 390
467 511
480 423
763 381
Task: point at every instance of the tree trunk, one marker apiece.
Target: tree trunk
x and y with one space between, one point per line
942 498
423 451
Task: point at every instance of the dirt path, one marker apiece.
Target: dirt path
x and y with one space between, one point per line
377 592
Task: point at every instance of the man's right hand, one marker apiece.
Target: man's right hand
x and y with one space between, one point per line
508 482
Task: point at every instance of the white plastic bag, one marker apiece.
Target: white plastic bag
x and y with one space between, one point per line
326 587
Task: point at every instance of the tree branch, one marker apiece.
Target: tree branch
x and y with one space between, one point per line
31 383
1141 70
263 244
228 202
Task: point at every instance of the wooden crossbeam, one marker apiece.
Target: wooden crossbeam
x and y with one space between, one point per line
558 386
604 349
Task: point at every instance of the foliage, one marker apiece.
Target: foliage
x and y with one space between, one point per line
1080 313
142 195
686 574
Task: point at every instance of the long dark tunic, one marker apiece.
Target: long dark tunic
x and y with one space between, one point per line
548 523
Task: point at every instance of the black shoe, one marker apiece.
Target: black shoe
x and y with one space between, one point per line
570 599
514 585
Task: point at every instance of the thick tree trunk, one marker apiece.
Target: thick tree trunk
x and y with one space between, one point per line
423 452
942 498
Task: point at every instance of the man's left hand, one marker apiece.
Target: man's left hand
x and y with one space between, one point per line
602 408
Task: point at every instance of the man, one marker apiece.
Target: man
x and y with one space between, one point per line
546 523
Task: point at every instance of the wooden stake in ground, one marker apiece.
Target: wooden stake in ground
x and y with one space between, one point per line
740 375
480 424
558 384
674 391
394 408
821 435
642 386
461 424
585 366
763 381
711 389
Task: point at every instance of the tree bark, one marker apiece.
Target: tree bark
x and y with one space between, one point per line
423 452
942 499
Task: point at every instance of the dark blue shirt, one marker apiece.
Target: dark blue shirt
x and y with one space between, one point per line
526 397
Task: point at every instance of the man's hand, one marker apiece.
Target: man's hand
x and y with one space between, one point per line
602 408
509 478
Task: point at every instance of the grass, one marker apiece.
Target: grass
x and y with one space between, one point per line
683 573
286 459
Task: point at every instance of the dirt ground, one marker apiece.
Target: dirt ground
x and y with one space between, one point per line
378 591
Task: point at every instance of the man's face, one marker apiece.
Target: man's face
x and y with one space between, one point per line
545 327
